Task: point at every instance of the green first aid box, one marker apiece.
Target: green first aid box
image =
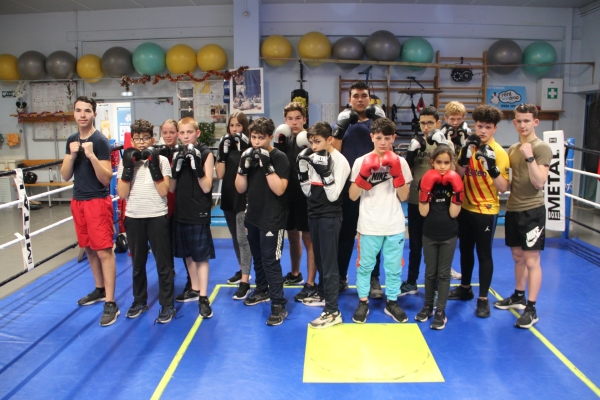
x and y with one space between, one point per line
550 94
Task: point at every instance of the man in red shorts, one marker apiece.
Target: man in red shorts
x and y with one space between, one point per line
87 159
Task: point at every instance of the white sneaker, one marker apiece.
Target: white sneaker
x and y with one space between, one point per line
326 319
455 275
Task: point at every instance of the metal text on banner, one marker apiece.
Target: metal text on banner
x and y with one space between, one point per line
554 189
25 211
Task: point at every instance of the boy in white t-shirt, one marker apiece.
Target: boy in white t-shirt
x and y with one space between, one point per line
380 179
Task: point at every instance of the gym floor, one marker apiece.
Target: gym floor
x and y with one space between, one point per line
52 348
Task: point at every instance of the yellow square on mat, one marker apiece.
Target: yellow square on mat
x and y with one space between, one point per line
369 353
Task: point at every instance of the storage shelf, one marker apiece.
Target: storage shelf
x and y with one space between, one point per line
53 117
543 115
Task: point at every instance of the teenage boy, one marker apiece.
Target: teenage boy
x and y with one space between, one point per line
352 137
526 213
484 166
144 177
418 155
263 174
192 177
87 159
456 128
379 180
322 172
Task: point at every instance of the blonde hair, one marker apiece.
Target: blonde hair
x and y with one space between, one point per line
455 108
188 121
171 122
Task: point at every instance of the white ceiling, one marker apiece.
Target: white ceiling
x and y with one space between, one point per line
44 6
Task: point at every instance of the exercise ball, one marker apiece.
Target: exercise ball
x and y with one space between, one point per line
504 51
149 59
539 53
276 46
212 57
89 68
348 48
116 62
417 50
32 65
8 68
382 46
61 65
181 58
314 45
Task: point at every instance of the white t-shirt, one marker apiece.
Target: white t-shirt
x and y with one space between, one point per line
380 212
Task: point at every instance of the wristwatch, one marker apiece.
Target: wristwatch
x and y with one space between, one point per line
529 160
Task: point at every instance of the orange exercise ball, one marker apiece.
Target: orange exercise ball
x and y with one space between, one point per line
89 68
8 68
276 46
181 58
314 45
212 57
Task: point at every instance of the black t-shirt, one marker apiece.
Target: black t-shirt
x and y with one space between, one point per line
438 223
319 205
86 186
293 190
192 205
266 210
231 200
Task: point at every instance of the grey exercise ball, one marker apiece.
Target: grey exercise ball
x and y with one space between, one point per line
61 65
348 48
382 46
503 52
32 65
116 62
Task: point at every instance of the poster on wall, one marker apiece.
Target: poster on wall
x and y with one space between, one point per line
505 97
52 96
247 92
123 122
204 101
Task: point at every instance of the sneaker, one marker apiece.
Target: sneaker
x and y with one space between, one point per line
166 314
360 315
424 314
204 307
95 296
257 297
394 310
110 314
314 301
527 319
375 292
235 279
136 310
278 314
242 292
343 285
291 280
511 302
439 320
455 274
187 296
460 293
307 291
483 308
326 319
407 288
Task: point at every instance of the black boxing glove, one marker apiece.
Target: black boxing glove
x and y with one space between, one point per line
193 155
151 154
264 160
487 156
130 156
417 145
224 146
344 120
242 141
436 137
302 161
322 163
471 144
247 161
374 112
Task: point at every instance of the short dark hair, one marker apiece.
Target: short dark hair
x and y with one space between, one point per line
141 126
360 86
262 126
487 114
320 128
525 108
430 110
294 106
88 100
383 125
242 119
441 149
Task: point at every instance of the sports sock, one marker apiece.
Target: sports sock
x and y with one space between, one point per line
519 293
530 305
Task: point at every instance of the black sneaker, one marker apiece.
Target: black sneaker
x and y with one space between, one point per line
439 320
257 297
483 308
527 319
291 280
110 314
360 315
95 296
166 314
136 310
460 293
242 292
375 291
204 306
187 296
235 279
424 314
407 288
307 291
511 302
394 310
278 314
343 285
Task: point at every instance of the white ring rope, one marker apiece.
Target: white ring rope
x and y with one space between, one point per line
596 205
582 172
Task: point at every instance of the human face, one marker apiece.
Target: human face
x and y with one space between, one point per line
84 115
382 142
428 123
187 134
485 131
442 163
142 140
318 143
359 100
235 126
525 124
454 120
169 134
295 121
261 141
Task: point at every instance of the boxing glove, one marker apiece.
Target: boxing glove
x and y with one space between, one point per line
370 163
374 112
322 163
430 178
390 159
453 179
151 154
264 160
242 141
302 140
193 155
487 156
436 137
282 133
448 131
344 120
462 132
247 161
471 144
164 150
130 156
224 146
417 145
177 163
302 161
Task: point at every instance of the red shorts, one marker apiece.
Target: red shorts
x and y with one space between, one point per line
93 222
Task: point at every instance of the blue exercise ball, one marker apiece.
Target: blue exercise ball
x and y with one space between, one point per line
348 48
149 59
503 52
382 46
417 50
32 65
539 53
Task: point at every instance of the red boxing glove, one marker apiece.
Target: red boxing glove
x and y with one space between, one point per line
390 159
430 178
370 163
453 179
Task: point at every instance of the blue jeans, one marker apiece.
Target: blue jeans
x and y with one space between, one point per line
391 248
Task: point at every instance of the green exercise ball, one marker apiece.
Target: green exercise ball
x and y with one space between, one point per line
539 53
416 49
